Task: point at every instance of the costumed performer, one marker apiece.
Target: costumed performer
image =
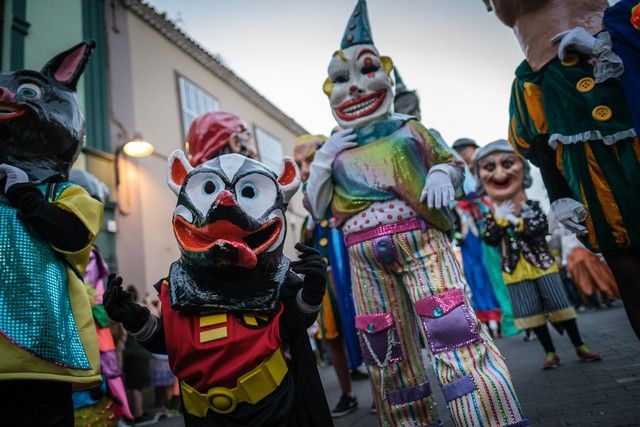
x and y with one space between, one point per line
519 227
106 403
234 315
48 339
216 133
475 206
337 315
377 175
571 118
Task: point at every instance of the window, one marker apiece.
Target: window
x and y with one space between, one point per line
269 149
194 102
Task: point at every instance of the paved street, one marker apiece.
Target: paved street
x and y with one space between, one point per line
600 394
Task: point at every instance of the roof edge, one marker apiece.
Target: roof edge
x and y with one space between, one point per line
175 35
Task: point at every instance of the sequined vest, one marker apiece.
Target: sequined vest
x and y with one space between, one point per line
35 311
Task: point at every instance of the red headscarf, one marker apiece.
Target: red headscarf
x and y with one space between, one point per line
210 133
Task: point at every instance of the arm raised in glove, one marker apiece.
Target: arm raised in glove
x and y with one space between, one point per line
577 39
569 213
320 185
505 210
311 264
57 226
145 328
121 307
440 186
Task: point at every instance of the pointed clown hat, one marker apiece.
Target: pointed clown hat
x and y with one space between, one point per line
400 86
358 30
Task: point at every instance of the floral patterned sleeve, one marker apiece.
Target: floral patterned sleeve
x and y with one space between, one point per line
490 231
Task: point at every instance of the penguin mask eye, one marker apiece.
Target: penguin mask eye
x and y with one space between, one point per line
202 189
256 194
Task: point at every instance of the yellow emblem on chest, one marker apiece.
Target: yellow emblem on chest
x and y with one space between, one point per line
216 333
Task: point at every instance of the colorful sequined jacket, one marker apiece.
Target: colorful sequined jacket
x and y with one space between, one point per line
391 161
580 134
46 325
525 239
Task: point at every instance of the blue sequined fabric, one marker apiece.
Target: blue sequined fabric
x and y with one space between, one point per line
35 311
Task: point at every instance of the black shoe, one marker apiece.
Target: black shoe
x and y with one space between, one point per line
145 420
358 375
345 405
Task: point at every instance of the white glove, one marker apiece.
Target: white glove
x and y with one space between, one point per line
438 190
570 214
338 142
14 176
505 210
578 39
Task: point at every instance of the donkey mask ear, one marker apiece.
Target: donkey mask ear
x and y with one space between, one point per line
178 167
66 68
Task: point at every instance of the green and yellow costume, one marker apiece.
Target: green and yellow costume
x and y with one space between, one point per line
561 108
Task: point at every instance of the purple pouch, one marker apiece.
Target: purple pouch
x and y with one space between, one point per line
447 321
378 339
109 364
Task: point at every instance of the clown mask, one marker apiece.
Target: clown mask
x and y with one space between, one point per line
359 86
502 175
230 210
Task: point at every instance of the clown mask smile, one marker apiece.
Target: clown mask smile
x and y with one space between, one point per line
359 86
502 175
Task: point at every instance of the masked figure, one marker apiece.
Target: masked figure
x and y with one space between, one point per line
217 133
386 179
47 336
337 315
405 101
570 117
481 259
234 315
519 227
105 403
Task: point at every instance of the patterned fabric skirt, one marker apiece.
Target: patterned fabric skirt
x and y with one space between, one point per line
535 301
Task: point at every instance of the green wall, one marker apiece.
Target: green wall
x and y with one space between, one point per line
55 27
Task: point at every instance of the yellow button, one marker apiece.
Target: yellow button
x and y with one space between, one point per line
324 223
323 241
585 84
570 60
601 113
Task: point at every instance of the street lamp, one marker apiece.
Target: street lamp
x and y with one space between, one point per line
135 146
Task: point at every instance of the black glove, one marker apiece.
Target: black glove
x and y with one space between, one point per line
121 307
312 265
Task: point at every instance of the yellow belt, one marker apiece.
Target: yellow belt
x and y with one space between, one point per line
252 387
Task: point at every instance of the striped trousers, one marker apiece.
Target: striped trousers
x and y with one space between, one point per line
535 301
406 286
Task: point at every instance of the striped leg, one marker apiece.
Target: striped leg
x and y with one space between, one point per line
473 376
401 390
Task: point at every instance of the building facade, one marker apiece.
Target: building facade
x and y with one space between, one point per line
145 76
160 80
32 32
